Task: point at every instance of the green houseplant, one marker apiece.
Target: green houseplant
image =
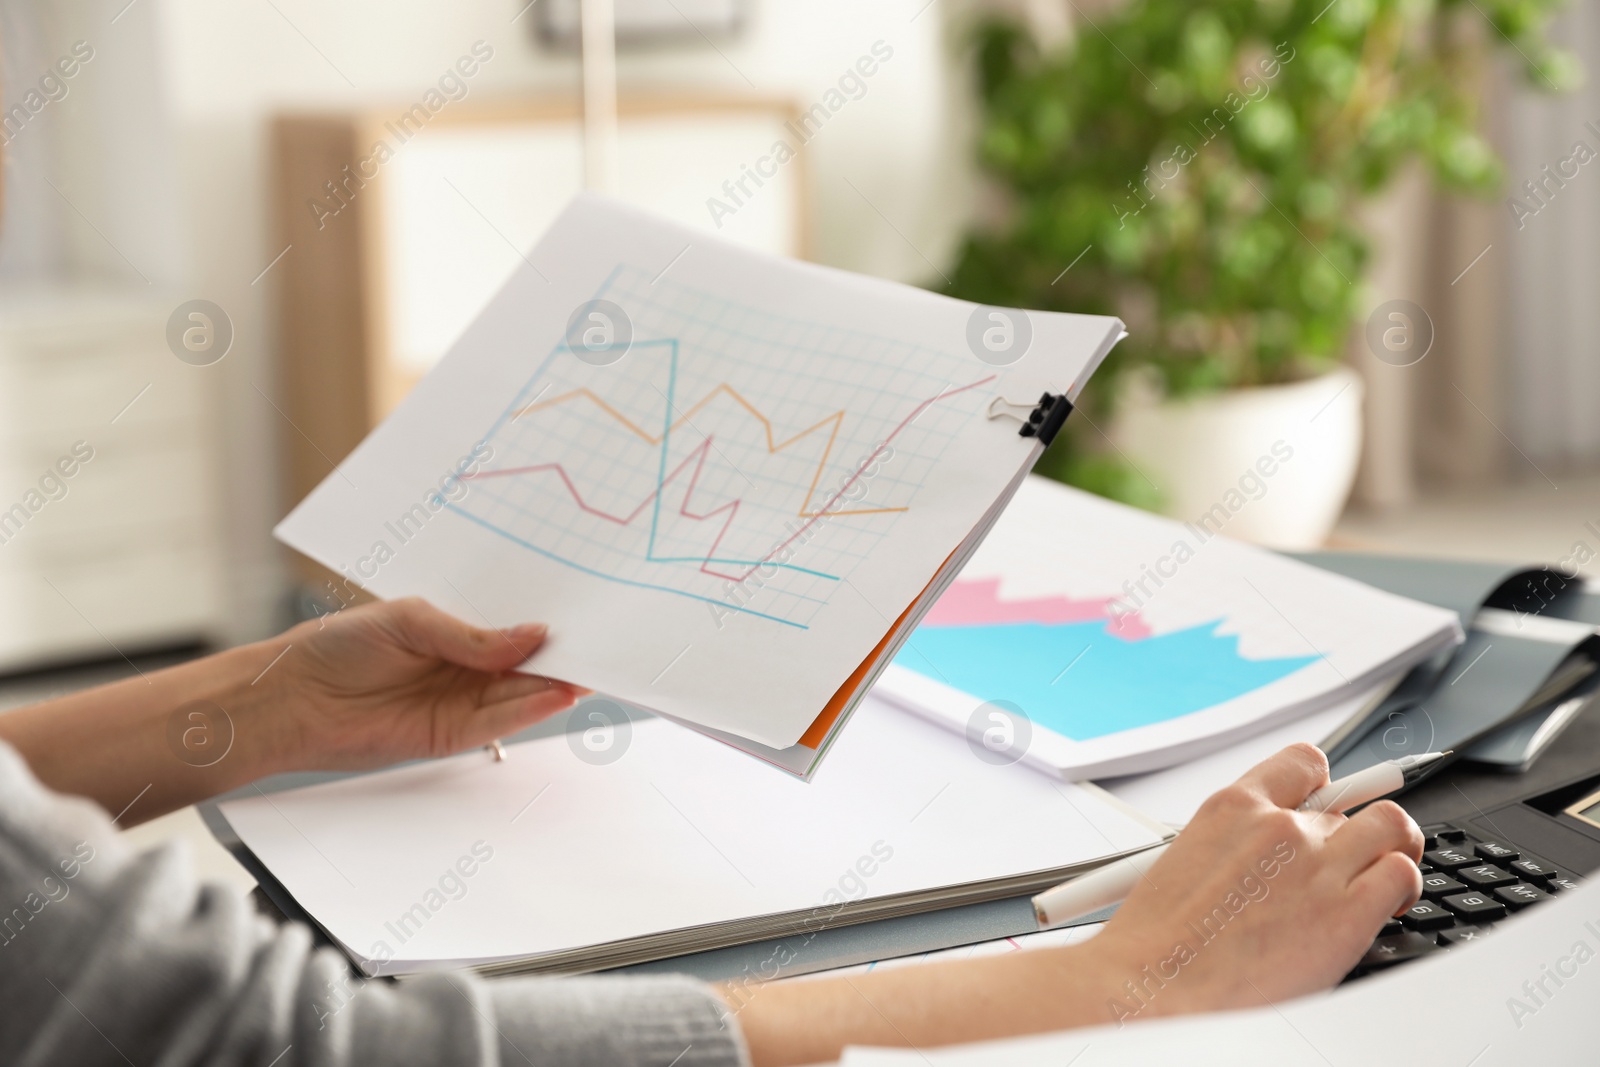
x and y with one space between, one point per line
1197 168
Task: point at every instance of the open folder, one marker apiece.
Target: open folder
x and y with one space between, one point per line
730 483
562 859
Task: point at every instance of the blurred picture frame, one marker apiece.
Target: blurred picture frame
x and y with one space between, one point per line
645 22
391 251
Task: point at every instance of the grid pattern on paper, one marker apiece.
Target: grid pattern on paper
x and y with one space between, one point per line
731 455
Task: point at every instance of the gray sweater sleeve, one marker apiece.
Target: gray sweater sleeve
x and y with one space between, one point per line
107 957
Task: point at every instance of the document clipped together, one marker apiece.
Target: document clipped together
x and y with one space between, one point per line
730 483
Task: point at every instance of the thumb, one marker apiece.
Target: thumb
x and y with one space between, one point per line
424 628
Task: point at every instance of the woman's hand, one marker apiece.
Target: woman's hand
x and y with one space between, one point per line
365 687
1256 901
401 679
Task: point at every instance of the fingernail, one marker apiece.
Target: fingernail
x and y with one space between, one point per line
531 631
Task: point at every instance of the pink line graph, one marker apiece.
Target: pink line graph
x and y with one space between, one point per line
732 507
976 602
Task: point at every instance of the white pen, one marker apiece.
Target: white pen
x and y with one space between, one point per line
1100 888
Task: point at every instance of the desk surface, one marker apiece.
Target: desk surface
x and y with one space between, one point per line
1456 794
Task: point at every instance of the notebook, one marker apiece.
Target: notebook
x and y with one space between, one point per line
1093 639
556 862
730 483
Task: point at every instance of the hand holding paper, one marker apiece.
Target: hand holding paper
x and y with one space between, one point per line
731 483
402 680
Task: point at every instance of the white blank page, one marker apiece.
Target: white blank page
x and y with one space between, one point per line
1174 794
679 832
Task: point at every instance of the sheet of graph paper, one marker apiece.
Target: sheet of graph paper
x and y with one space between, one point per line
717 475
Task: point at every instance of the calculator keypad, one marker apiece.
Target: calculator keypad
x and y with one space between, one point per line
1468 885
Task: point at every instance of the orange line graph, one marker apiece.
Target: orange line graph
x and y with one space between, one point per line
773 446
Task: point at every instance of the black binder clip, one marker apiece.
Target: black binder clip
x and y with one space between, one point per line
1043 420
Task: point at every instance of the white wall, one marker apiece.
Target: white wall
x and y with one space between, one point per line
89 176
228 66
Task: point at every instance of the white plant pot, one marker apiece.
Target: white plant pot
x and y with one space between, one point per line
1272 464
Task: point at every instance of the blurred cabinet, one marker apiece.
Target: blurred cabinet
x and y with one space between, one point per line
109 514
394 251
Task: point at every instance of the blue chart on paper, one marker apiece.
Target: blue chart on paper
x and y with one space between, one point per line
1081 676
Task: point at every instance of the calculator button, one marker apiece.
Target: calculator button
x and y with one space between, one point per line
1477 907
1440 885
1390 926
1484 876
1426 868
1453 835
1494 850
1560 882
1426 915
1397 948
1464 935
1448 859
1533 870
1520 895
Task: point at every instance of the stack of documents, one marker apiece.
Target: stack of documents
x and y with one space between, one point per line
571 856
1115 642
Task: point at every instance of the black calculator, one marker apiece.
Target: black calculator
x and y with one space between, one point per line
1478 872
1469 884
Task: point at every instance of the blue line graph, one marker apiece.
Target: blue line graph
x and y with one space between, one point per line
757 444
599 574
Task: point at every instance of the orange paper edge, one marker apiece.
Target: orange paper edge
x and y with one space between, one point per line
817 732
